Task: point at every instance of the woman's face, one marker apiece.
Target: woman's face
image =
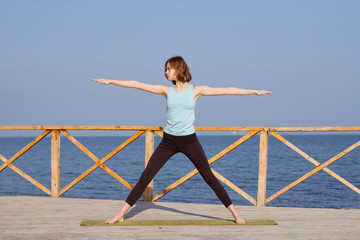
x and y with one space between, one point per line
170 73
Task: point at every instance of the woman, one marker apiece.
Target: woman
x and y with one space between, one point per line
179 132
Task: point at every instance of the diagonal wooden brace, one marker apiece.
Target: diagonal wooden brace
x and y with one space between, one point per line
24 150
316 163
27 177
312 172
99 163
234 187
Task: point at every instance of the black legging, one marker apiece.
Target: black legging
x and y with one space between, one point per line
190 146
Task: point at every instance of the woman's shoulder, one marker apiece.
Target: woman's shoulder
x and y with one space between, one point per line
199 88
166 89
160 89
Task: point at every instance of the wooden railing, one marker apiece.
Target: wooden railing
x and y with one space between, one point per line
261 199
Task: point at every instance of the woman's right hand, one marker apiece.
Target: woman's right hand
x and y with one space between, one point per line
104 81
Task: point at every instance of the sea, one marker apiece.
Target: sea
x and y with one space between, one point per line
240 166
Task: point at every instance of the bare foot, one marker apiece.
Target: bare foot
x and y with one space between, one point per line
119 217
239 220
115 219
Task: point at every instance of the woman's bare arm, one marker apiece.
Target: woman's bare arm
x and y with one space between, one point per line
157 89
210 91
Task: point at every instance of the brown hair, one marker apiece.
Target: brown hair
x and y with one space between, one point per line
182 69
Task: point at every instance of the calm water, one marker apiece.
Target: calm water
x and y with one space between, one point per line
240 166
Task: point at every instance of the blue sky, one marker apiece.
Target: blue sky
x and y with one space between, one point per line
308 52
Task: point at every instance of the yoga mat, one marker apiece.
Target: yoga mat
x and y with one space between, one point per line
173 222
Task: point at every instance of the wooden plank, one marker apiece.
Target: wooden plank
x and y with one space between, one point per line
160 128
99 163
313 161
24 150
35 220
262 174
211 160
133 128
314 129
149 150
312 172
229 128
234 187
142 128
55 163
27 177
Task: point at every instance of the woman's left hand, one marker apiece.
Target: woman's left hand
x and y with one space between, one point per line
262 92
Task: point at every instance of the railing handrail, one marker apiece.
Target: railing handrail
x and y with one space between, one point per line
149 132
202 128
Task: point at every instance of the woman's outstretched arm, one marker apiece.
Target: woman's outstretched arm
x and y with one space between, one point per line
210 91
157 89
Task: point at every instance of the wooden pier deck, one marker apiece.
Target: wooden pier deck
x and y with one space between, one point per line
25 217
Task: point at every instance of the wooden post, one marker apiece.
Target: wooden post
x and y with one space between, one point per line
149 149
55 163
263 155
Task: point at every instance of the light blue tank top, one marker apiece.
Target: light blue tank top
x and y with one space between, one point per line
180 115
